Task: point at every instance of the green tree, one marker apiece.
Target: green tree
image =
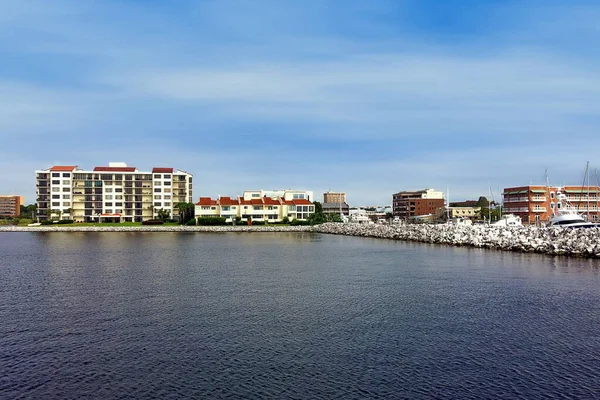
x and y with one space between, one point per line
163 214
186 211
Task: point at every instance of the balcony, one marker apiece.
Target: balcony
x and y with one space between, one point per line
539 199
539 209
516 199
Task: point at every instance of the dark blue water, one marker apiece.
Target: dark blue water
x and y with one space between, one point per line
176 315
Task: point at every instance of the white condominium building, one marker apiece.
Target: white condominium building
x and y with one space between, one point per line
115 193
259 205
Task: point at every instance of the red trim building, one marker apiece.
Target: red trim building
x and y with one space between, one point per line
534 203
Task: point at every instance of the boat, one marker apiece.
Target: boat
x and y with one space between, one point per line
564 215
509 220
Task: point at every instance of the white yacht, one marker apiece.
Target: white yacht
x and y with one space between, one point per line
565 215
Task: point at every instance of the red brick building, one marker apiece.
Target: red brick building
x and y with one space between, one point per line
534 204
417 203
10 206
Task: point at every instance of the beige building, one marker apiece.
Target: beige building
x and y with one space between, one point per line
334 197
10 206
259 205
465 212
115 193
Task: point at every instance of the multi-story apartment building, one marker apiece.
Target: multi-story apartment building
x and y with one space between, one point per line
335 203
110 194
535 203
334 197
417 203
10 206
259 205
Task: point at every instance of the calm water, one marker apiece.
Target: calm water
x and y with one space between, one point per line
184 315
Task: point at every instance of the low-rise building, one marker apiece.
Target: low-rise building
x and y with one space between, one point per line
418 203
10 206
259 205
464 212
334 197
114 193
534 204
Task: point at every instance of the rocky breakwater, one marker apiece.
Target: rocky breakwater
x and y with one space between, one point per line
554 241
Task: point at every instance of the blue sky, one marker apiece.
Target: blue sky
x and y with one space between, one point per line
366 97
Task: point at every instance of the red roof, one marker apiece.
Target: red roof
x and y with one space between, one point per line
115 169
228 201
271 202
63 168
299 202
206 201
162 170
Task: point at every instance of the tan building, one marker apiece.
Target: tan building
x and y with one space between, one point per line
334 197
534 203
10 206
114 193
465 212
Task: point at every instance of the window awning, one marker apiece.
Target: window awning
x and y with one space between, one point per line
585 190
537 191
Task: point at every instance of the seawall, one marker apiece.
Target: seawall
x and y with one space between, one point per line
583 242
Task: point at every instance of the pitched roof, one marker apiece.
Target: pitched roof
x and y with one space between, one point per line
115 169
206 201
63 168
299 202
228 201
159 170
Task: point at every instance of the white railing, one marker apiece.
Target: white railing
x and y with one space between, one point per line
539 209
538 198
515 199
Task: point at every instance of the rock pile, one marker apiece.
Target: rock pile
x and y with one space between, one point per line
555 241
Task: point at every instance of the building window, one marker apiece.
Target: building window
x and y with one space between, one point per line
56 175
66 204
167 197
55 189
55 204
56 196
156 190
156 183
167 204
118 204
118 190
66 196
156 176
66 182
107 190
66 175
157 197
109 204
167 176
255 194
56 182
119 197
157 204
167 183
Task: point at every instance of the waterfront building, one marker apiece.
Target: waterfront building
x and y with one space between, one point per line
259 205
464 212
334 197
418 203
534 203
10 206
114 193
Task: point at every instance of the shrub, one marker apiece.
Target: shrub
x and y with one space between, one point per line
211 220
153 222
47 222
65 221
191 222
285 220
258 223
296 222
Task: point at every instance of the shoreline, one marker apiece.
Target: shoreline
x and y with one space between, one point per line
523 239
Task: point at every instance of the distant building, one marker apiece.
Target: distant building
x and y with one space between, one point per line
408 204
534 203
334 197
465 212
336 208
10 206
114 193
259 205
